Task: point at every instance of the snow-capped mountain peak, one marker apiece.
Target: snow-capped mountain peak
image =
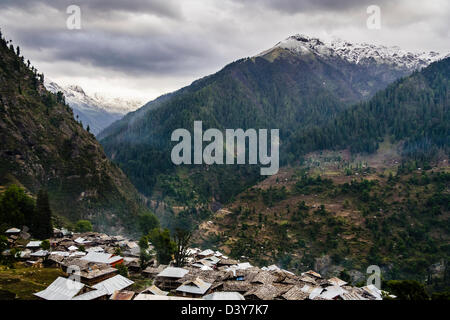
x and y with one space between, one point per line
359 53
76 89
76 94
96 111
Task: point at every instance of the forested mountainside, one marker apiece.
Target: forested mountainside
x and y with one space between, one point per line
43 147
280 88
414 110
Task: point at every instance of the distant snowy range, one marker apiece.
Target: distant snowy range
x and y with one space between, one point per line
94 111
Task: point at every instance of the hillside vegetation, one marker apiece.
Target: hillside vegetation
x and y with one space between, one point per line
43 147
338 215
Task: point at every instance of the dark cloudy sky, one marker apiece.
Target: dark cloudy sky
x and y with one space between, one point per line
144 48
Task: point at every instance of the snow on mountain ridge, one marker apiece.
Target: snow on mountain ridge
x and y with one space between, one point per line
96 112
76 95
359 53
117 104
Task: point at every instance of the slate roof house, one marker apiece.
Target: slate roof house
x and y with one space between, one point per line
99 257
113 284
193 288
167 279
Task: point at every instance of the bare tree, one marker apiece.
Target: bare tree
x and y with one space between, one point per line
182 240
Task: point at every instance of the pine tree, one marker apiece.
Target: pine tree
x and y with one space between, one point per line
43 224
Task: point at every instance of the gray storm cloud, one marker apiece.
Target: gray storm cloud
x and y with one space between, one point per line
296 6
169 43
131 54
99 7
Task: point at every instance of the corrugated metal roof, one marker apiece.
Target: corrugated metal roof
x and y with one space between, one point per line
91 295
352 296
207 252
60 253
312 273
77 254
34 244
315 292
25 253
115 283
224 296
239 266
172 272
40 253
100 257
197 286
81 240
206 268
95 249
61 289
336 282
332 292
373 291
122 295
155 290
211 259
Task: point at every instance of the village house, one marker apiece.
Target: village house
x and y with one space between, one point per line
12 232
62 289
55 260
155 291
97 273
208 274
34 245
262 292
205 254
99 257
110 285
151 271
167 279
133 264
122 295
40 254
193 288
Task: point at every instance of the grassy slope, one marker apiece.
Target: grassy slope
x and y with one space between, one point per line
23 281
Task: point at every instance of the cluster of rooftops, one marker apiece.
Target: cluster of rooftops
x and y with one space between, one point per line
90 264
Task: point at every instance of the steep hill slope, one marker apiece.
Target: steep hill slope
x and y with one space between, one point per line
42 146
338 214
286 87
